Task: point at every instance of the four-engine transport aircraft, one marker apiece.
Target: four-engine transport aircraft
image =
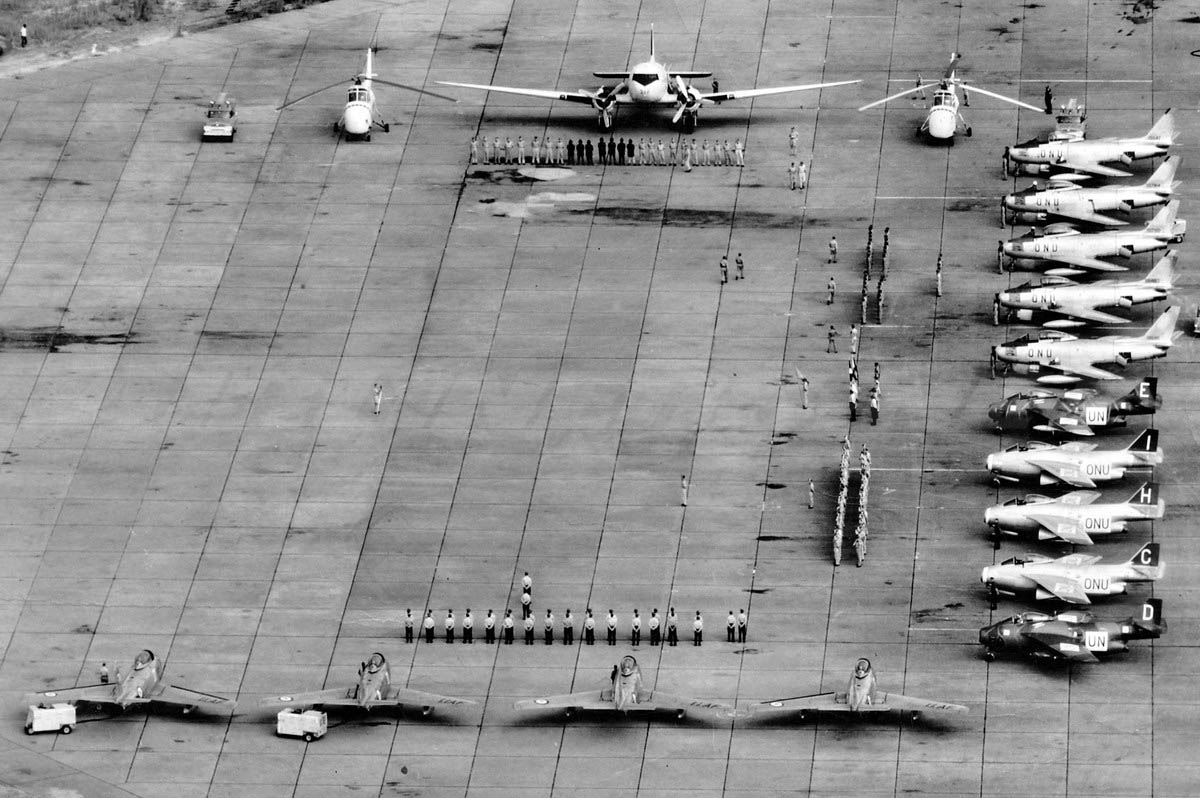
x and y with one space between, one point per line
648 83
1059 358
143 684
1074 518
1071 635
1080 411
1078 252
1064 200
861 696
1075 463
374 688
626 693
1088 155
943 120
1075 578
1070 304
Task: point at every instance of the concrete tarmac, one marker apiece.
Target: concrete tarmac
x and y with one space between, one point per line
190 333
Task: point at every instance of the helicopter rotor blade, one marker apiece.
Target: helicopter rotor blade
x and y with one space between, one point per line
978 90
900 94
414 88
310 94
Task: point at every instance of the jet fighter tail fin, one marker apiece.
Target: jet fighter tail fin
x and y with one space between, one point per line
1150 621
1146 495
1164 221
1146 442
1161 332
1164 175
1163 272
1146 556
1164 128
1144 394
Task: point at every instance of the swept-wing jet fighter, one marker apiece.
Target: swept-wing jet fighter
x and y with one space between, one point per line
1064 200
143 684
943 120
626 693
1075 463
1074 518
648 83
374 688
1070 304
1078 252
1075 578
1060 358
361 114
1089 155
1080 411
862 695
1072 635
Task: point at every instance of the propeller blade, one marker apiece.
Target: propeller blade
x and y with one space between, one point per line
310 94
414 88
1005 99
678 114
900 94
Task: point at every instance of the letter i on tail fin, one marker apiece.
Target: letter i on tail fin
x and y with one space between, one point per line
1146 442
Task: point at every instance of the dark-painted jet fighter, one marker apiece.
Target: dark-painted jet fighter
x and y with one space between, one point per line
1072 636
1075 412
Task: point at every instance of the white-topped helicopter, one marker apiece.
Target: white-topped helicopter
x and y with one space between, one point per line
648 83
361 114
943 120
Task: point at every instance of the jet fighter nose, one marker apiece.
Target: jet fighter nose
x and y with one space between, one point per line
1011 248
991 462
989 516
985 575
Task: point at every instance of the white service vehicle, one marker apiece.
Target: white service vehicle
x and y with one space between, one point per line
218 119
56 718
310 724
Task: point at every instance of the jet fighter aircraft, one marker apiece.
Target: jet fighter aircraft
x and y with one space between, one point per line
1064 200
1071 304
1074 463
648 83
1073 518
1067 359
1089 155
1076 412
861 695
374 688
626 694
1078 252
143 684
1075 578
1072 635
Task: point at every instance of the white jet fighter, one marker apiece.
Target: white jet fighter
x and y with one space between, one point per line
862 695
1073 304
374 688
1061 243
648 83
1066 359
1075 463
143 684
626 693
1074 518
1075 578
1088 156
1066 200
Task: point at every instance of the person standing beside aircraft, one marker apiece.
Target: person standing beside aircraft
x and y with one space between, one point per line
589 629
672 628
508 150
527 584
730 626
802 177
571 152
698 630
602 151
474 150
612 151
508 627
428 625
449 626
468 627
548 626
568 628
742 622
739 152
655 633
521 150
489 628
831 336
629 151
611 624
833 252
408 626
793 140
793 172
529 630
635 629
704 158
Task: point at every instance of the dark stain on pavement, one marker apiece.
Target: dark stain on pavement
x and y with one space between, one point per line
53 339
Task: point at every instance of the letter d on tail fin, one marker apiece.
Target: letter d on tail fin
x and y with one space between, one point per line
1152 612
